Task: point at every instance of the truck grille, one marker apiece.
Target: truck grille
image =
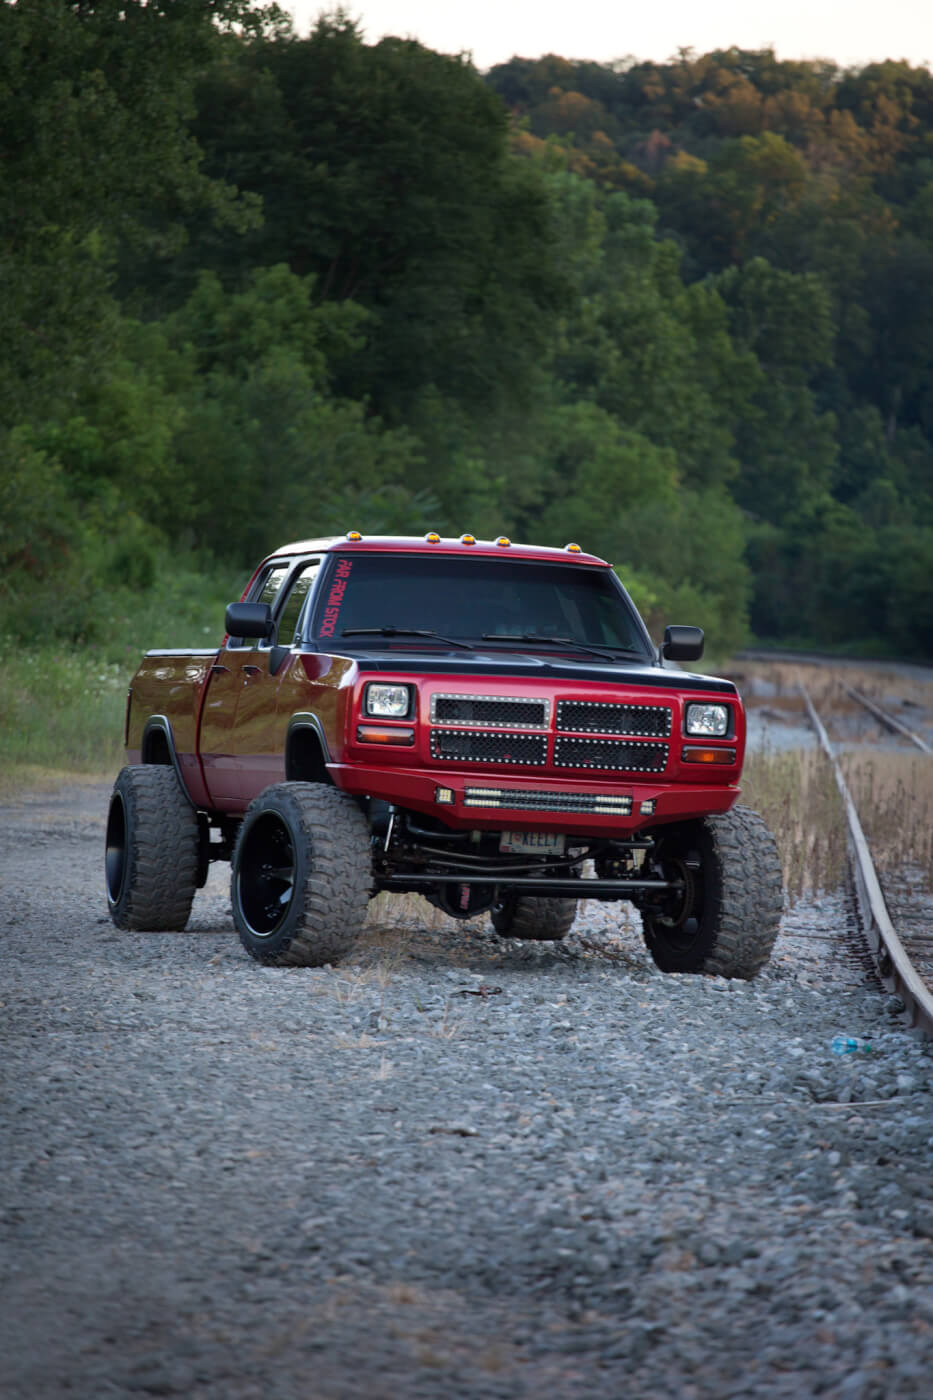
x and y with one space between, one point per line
497 729
503 711
612 804
473 746
594 717
609 753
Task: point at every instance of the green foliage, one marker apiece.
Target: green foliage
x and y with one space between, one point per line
62 705
256 287
384 172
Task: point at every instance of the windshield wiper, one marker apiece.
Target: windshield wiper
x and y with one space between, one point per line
609 653
403 632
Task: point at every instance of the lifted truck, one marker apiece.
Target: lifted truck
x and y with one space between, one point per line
487 724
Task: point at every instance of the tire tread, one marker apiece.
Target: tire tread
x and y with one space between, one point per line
162 851
336 894
536 917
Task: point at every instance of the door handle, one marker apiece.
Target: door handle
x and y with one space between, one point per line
251 670
218 670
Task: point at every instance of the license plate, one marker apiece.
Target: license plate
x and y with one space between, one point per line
532 843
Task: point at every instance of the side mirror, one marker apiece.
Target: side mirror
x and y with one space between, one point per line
248 620
682 643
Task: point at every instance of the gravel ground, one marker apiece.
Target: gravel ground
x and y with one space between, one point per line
455 1166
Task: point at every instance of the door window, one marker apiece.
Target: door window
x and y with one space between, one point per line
271 584
291 608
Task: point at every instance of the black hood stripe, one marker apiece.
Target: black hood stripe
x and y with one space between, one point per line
536 668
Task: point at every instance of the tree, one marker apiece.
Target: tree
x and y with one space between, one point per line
384 172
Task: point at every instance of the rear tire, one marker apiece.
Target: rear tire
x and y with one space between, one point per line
727 917
529 916
151 863
302 875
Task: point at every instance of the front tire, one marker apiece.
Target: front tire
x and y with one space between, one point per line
726 917
534 917
302 875
151 862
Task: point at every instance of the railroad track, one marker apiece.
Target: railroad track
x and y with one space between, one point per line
898 927
895 726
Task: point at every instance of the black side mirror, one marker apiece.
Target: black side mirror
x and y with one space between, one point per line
249 620
682 643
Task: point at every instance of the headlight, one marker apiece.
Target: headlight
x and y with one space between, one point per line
708 719
387 701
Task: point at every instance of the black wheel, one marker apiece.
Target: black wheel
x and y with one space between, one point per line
151 864
529 916
724 918
302 875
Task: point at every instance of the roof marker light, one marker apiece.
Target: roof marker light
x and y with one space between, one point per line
503 542
468 539
432 537
354 535
573 549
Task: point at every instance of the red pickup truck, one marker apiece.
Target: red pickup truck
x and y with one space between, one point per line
487 724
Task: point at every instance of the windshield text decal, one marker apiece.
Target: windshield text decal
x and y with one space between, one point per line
335 598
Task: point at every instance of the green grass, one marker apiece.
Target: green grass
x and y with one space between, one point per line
62 705
59 710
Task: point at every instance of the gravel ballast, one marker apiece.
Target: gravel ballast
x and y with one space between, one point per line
455 1165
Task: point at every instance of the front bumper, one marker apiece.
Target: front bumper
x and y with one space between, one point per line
578 806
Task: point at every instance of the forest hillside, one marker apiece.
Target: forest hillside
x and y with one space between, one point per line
257 286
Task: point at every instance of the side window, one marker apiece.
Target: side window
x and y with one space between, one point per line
271 584
264 590
291 610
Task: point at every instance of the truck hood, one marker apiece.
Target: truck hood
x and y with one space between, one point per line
533 665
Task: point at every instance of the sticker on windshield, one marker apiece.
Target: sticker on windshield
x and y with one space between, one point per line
335 598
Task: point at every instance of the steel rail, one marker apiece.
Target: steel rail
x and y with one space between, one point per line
887 720
895 968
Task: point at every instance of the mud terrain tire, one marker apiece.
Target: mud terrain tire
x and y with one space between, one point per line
151 862
302 875
727 923
528 916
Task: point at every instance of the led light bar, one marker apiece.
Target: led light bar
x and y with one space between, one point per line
527 800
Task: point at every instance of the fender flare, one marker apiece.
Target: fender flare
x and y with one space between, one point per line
307 720
160 724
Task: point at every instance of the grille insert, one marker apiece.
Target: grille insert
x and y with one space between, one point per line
474 746
612 804
503 711
610 753
595 717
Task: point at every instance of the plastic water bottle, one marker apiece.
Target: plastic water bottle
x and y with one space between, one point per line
849 1045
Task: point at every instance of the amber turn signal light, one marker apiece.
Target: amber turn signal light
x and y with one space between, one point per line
383 734
698 755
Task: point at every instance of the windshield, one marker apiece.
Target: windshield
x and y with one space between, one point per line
396 599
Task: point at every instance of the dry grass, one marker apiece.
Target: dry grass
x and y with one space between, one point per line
19 778
893 793
794 790
796 794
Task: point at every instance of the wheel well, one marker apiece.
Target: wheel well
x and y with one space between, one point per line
304 758
156 747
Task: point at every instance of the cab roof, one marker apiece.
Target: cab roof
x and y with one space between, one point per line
433 543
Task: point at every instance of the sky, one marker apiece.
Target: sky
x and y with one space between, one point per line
493 31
